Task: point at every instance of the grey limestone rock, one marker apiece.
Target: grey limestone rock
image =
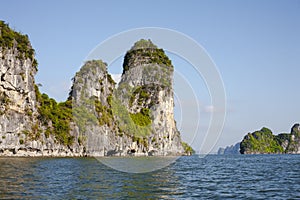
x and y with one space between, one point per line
135 118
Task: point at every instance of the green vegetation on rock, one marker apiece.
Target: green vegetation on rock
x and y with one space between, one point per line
91 65
188 150
141 94
144 44
90 109
141 118
105 114
131 124
91 101
4 103
148 54
55 116
262 141
11 39
282 138
83 117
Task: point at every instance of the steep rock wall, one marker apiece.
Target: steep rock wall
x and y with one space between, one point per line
97 119
146 90
21 131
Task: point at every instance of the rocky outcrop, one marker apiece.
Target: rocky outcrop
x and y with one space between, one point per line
96 127
264 142
291 142
146 90
21 130
230 150
97 119
137 117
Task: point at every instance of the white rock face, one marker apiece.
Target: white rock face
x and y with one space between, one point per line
17 81
143 87
135 119
19 111
149 84
92 87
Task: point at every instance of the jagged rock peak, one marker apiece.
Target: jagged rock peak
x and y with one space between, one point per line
17 70
144 52
143 44
91 80
28 125
230 150
263 141
146 91
90 122
17 42
92 65
296 130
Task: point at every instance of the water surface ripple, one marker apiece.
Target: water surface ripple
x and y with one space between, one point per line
212 177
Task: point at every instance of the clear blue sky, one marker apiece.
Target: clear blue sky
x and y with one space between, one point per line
255 44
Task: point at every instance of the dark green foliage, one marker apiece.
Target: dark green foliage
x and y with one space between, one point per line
4 98
141 94
262 141
283 137
148 53
110 79
4 102
10 39
188 150
56 117
21 141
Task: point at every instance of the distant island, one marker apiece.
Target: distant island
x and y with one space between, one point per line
230 150
99 118
265 142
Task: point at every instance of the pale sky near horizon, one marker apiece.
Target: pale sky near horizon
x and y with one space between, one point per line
254 44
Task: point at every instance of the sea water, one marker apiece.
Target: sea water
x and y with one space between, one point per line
211 177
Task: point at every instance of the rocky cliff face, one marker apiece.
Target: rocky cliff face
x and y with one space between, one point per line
291 142
21 130
264 142
96 127
137 117
97 119
17 98
230 150
146 91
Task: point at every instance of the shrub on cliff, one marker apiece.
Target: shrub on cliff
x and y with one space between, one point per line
55 116
12 39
